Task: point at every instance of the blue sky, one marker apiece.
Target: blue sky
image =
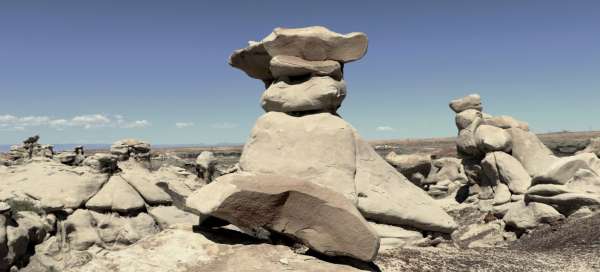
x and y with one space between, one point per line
96 71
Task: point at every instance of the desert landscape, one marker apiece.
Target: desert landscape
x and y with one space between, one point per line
306 192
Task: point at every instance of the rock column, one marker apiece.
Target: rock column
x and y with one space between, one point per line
301 135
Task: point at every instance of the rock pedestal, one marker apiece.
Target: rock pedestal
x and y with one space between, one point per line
302 137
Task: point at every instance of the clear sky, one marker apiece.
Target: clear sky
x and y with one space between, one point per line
96 71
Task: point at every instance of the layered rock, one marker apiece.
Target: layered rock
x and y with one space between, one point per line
126 148
310 43
316 94
472 101
515 176
302 137
413 166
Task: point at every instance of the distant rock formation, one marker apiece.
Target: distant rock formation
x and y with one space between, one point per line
69 204
512 173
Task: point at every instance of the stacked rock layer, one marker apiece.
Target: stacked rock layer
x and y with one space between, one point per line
515 175
302 139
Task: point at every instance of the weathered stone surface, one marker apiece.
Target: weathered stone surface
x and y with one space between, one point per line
310 43
472 101
318 217
466 142
464 118
450 169
385 196
102 163
141 180
563 169
317 93
566 203
490 139
316 43
585 181
151 193
50 181
393 236
503 168
480 235
170 216
116 230
592 147
285 145
67 158
177 180
117 195
501 194
528 216
286 66
80 228
530 151
583 189
410 164
206 159
203 254
126 148
505 122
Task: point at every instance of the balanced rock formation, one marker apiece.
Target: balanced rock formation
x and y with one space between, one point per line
206 165
308 44
126 148
514 172
301 136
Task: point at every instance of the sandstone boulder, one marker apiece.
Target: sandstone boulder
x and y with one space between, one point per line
501 194
592 147
530 151
310 43
505 122
503 168
52 182
563 169
410 164
285 145
170 216
464 118
472 101
386 196
490 139
528 216
151 193
80 228
126 148
466 143
450 169
102 163
393 236
318 217
321 93
117 195
290 66
117 231
316 43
